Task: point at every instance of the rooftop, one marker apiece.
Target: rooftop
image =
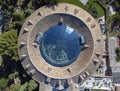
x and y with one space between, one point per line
75 18
63 41
115 66
98 83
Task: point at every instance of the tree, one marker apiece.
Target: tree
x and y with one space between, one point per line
3 83
3 3
15 87
37 3
24 87
13 75
116 17
118 54
28 12
118 50
93 11
32 85
117 4
8 45
17 25
107 1
50 2
117 58
18 16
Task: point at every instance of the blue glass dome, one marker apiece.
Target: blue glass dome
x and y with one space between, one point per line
60 45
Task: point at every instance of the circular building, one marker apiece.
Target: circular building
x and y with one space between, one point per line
60 45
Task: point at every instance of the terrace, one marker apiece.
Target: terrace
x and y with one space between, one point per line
98 83
36 65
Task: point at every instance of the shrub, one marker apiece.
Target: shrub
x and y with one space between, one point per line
15 87
18 16
24 87
11 76
117 54
17 25
8 45
32 85
3 83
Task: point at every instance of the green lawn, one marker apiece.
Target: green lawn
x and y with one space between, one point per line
74 2
88 7
99 8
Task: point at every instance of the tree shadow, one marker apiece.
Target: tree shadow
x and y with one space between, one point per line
6 67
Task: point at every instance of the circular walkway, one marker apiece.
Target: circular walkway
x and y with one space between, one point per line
39 22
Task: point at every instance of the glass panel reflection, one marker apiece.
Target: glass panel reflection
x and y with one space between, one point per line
60 45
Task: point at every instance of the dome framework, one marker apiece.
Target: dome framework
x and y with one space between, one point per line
60 45
42 19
